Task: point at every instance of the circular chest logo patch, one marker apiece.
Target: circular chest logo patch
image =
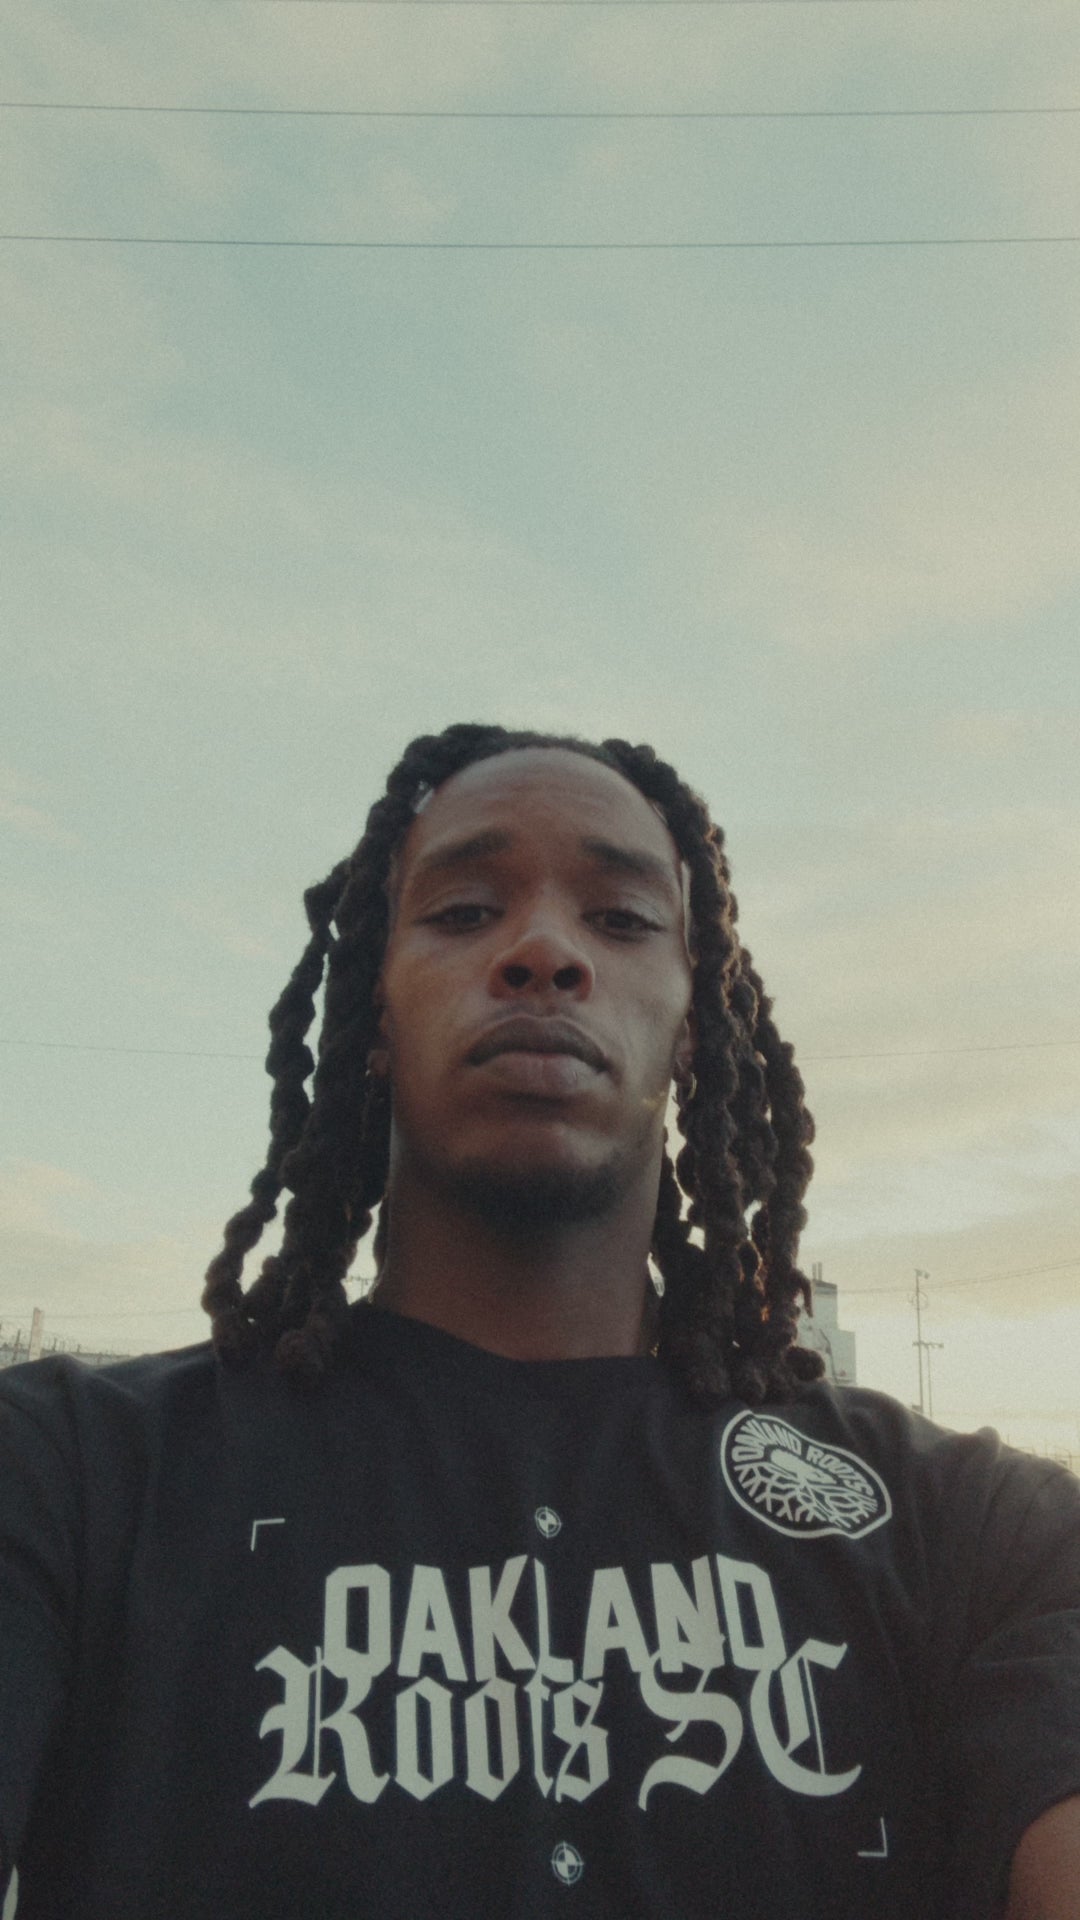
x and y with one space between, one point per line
798 1486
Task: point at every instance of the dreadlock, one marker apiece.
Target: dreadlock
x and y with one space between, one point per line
732 1288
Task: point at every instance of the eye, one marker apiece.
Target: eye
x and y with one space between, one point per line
625 924
465 916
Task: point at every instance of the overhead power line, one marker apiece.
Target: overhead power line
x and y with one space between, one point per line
545 246
846 1293
89 1046
123 1313
927 1053
581 2
806 1059
949 1286
538 113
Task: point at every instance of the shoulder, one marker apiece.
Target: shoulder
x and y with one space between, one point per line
61 1385
970 1490
1001 1525
59 1409
92 1458
903 1440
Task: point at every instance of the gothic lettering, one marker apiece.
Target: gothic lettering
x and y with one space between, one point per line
481 1776
681 1770
581 1737
492 1626
429 1626
718 1617
611 1623
687 1629
428 1701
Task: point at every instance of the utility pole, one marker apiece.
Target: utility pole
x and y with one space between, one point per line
919 1301
938 1347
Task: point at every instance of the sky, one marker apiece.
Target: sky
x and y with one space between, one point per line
591 439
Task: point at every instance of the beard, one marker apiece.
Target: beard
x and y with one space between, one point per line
522 1202
530 1202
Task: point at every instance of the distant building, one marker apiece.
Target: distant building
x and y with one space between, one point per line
19 1344
1070 1460
821 1330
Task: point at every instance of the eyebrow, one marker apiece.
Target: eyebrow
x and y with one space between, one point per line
642 866
605 853
462 853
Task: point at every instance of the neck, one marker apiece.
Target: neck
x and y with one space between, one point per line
572 1293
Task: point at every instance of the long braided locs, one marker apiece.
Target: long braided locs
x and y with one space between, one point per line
730 1205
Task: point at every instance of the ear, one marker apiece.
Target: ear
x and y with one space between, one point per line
685 1048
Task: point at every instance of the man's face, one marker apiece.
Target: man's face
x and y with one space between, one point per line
536 988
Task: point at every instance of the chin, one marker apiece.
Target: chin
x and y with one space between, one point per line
527 1199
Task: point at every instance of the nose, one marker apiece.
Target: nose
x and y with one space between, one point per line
543 952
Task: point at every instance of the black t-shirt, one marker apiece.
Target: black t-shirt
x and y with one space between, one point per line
459 1636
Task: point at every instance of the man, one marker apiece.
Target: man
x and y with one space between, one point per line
549 1579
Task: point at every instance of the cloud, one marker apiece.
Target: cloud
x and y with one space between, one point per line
986 735
917 927
134 1294
206 917
1014 1372
972 521
97 343
891 56
209 55
261 570
1001 1296
916 935
31 1190
129 1294
18 811
1023 1261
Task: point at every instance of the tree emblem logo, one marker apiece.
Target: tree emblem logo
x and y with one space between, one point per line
798 1486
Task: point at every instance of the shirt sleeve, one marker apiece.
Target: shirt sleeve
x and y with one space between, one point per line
1012 1723
39 1527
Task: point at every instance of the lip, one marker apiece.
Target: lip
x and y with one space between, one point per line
532 1033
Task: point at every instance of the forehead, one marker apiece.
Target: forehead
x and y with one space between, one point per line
562 795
